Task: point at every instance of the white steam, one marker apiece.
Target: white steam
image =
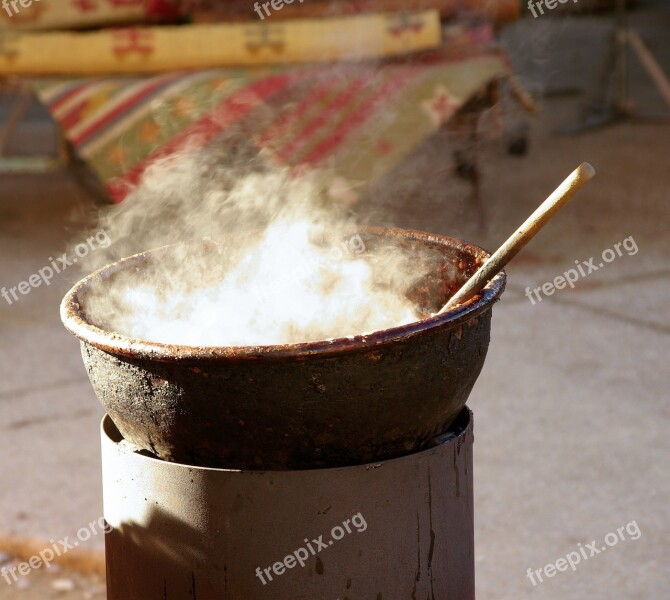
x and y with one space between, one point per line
282 263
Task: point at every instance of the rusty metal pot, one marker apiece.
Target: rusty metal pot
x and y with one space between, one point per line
309 405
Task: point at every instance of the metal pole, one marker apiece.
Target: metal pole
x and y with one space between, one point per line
621 102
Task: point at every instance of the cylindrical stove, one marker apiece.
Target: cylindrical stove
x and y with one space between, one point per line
391 530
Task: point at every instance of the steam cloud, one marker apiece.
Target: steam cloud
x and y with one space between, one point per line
281 262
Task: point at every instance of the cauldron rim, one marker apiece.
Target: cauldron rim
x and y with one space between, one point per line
75 321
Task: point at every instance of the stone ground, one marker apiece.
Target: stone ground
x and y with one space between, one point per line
571 410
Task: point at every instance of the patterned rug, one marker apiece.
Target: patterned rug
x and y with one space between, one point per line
357 120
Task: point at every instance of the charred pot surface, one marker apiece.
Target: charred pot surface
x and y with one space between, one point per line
331 403
341 410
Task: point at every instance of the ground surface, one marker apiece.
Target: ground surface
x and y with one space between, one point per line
571 410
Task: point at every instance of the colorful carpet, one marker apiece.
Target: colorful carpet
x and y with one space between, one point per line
356 120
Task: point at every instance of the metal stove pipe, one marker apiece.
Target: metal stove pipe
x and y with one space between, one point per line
393 530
